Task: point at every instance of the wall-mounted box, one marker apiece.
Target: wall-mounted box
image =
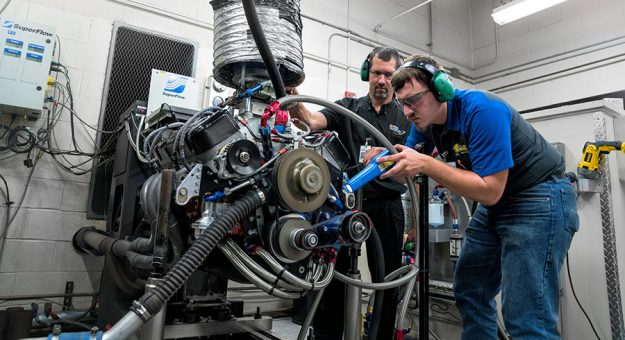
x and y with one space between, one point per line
27 49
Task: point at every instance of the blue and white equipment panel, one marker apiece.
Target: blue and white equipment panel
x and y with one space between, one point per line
27 49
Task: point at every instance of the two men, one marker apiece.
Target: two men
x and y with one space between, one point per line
381 200
518 238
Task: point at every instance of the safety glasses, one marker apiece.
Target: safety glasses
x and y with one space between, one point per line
412 100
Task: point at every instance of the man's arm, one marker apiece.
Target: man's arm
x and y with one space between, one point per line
315 120
486 190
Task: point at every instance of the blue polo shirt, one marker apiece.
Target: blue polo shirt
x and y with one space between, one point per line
496 137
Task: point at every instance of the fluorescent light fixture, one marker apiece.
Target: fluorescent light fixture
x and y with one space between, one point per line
518 9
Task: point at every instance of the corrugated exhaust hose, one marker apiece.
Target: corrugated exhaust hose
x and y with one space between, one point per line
154 300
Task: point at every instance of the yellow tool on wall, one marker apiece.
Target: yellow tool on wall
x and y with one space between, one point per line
593 155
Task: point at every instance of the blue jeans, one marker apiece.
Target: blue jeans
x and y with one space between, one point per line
518 247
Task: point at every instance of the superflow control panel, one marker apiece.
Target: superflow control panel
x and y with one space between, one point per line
27 49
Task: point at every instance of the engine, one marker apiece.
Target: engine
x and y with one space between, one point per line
237 191
216 157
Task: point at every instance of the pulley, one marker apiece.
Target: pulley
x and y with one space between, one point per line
243 157
291 238
302 180
357 227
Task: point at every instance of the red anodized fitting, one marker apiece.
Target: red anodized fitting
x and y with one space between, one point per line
271 109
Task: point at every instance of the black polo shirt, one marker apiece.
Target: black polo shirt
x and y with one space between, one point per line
390 121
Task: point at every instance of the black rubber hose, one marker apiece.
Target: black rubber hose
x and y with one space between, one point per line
263 47
90 240
154 300
139 260
377 275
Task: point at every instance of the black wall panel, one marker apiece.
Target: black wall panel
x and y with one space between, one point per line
133 55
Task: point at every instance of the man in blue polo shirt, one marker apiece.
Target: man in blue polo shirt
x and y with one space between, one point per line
518 238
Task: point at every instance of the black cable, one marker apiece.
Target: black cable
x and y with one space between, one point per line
35 309
7 157
60 68
377 276
71 99
6 4
6 129
568 270
6 186
21 140
19 205
45 136
249 129
94 304
263 47
71 322
54 118
56 78
8 203
443 308
73 114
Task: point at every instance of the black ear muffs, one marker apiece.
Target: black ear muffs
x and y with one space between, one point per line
364 69
440 83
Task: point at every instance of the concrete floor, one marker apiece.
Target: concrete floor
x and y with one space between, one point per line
285 329
444 323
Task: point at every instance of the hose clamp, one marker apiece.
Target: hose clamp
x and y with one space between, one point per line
140 310
261 195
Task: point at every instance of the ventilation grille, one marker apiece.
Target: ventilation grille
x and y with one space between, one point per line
133 55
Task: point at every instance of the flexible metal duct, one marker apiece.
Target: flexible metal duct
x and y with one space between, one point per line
236 57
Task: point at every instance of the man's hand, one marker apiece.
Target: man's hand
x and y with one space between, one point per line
296 109
293 108
412 236
408 163
371 153
292 91
315 120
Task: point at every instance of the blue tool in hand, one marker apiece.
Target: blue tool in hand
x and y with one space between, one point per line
369 173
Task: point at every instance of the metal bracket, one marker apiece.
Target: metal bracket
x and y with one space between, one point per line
67 300
589 185
190 186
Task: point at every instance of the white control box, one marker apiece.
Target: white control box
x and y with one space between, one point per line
171 90
27 49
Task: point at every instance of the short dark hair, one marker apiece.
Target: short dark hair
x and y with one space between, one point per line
402 76
385 53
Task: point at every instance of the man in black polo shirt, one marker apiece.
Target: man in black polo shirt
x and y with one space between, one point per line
381 200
